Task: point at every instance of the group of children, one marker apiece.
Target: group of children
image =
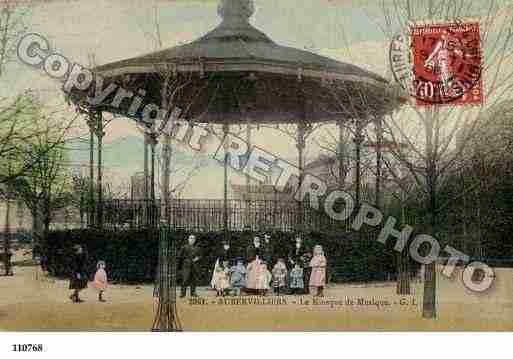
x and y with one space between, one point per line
233 279
257 279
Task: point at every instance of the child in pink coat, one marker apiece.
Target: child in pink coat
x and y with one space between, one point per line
318 275
100 280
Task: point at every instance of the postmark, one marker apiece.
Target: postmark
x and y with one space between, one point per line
439 63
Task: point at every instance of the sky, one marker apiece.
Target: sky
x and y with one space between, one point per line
112 30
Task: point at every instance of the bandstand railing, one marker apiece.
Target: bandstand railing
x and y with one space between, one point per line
202 215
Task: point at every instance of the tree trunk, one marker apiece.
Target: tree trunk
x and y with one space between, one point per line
429 307
464 214
81 210
37 227
47 219
100 135
91 206
429 300
403 267
7 237
403 274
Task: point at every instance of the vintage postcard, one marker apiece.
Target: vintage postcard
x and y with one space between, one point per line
256 165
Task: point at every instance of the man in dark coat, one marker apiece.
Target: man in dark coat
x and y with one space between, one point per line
269 255
225 253
188 259
254 250
300 254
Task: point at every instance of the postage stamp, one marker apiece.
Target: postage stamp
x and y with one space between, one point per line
440 63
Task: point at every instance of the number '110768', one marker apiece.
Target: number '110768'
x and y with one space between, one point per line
27 347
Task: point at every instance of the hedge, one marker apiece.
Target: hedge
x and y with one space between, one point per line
132 255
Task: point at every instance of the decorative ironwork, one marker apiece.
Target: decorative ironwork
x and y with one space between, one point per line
203 215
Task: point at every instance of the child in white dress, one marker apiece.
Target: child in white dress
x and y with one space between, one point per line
264 279
222 278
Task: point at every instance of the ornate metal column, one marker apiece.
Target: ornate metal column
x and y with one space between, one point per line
301 144
166 176
153 212
379 156
341 154
146 167
100 134
358 140
91 122
247 215
153 144
226 129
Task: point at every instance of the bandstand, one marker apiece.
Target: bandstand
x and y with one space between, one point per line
234 76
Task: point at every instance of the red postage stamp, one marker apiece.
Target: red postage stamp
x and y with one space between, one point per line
445 64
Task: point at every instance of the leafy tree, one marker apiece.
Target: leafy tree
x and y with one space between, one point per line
45 185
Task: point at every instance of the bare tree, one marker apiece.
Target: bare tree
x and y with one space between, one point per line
172 89
341 148
437 136
179 174
12 26
24 121
179 92
81 191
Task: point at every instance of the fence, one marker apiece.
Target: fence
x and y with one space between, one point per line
202 215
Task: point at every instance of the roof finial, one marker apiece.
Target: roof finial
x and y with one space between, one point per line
236 10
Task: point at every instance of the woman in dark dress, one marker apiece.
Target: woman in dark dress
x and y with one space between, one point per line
225 253
78 280
269 254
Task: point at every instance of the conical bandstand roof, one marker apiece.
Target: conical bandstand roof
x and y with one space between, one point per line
236 73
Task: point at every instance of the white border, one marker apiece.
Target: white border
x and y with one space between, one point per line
259 345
